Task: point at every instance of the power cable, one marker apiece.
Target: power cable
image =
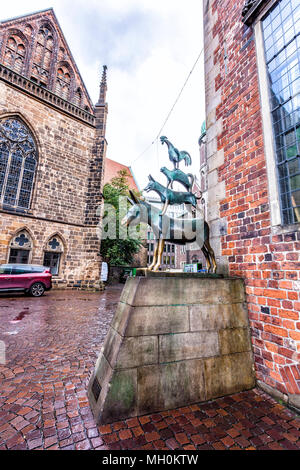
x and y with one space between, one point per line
171 110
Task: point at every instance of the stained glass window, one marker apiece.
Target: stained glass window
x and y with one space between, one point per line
18 161
281 32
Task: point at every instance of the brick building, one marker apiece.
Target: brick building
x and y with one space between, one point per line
111 170
52 146
253 171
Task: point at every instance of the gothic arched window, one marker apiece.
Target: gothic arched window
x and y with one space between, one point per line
20 248
53 253
18 161
63 82
14 56
43 56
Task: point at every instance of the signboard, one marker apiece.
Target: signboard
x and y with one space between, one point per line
193 268
190 268
104 271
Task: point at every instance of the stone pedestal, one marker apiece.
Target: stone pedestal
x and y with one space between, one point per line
173 341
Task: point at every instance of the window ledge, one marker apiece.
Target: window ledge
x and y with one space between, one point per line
282 229
18 210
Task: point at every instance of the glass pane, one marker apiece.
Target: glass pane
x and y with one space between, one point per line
14 172
17 158
281 46
18 256
20 270
4 153
52 261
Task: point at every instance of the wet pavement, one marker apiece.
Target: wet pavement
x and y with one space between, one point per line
52 344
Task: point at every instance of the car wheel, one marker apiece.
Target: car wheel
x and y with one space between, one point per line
37 289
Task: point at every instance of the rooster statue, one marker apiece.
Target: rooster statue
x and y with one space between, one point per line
175 155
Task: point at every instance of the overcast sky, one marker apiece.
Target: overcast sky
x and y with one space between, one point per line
149 46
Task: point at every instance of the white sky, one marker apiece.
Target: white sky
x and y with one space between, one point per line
149 46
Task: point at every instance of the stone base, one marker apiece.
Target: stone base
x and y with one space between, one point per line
173 341
86 285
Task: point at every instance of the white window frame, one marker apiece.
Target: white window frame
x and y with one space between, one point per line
268 132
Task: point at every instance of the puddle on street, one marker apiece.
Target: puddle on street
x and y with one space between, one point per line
20 316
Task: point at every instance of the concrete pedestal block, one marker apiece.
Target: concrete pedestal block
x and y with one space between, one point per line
173 341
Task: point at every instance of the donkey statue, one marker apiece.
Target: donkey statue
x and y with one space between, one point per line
168 196
179 231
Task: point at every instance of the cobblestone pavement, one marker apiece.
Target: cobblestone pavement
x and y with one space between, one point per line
51 347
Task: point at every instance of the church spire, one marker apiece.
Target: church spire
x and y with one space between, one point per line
103 88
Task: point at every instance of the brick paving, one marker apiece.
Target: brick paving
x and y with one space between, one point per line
51 347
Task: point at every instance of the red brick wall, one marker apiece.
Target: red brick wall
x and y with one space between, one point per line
268 262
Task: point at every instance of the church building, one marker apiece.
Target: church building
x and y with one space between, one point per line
52 153
252 84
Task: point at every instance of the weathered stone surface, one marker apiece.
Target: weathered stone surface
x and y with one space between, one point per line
121 401
162 320
234 340
121 316
137 351
177 347
228 374
166 386
180 291
69 134
178 340
129 291
215 317
103 373
111 346
294 400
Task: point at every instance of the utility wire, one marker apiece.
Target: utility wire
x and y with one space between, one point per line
171 110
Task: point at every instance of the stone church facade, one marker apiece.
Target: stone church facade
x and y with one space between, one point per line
52 149
253 172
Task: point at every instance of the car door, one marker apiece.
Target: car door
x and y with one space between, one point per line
6 278
22 276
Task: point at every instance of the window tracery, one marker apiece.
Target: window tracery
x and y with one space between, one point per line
15 51
18 161
43 55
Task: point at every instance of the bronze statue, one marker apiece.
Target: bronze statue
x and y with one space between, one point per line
187 180
168 196
179 231
175 155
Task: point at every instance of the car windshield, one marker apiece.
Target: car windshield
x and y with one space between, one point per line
5 269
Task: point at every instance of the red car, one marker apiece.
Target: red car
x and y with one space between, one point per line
30 278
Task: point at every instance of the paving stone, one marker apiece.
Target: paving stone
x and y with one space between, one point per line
50 399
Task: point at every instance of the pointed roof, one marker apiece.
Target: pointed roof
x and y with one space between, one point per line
48 14
111 171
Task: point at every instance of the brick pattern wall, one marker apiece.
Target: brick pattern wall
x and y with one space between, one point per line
67 188
80 261
42 58
265 256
